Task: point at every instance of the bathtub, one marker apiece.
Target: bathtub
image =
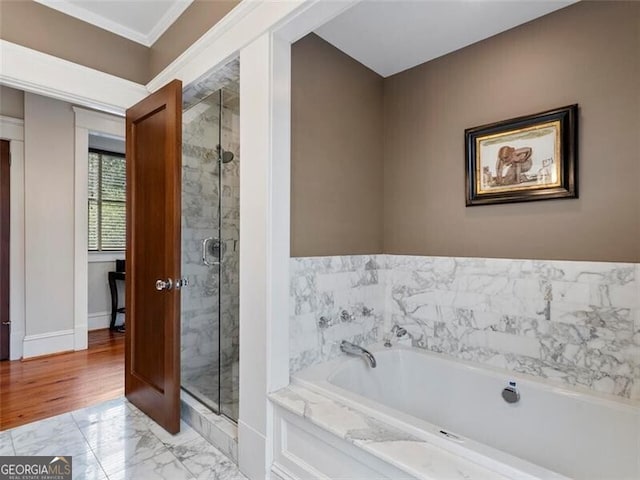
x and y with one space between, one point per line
551 432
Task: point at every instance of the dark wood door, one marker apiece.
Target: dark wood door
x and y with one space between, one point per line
4 249
152 351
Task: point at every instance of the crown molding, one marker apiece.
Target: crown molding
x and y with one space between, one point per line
37 72
166 21
146 39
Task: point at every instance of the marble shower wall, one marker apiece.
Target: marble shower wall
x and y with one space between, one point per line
325 287
577 323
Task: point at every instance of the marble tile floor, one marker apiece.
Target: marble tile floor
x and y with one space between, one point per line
114 440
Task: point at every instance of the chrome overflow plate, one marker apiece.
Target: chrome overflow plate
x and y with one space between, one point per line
510 393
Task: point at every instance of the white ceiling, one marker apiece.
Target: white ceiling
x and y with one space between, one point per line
394 35
142 21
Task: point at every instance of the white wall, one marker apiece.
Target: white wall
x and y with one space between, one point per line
49 225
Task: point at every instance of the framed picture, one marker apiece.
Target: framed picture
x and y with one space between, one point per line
523 159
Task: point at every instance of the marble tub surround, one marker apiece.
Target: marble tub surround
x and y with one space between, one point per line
576 323
321 289
572 322
114 440
413 455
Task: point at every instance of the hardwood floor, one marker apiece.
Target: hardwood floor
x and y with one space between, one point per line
43 387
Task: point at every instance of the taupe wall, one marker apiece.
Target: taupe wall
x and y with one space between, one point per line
336 152
11 102
189 27
588 54
35 26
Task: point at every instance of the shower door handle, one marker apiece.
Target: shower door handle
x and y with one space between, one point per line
205 245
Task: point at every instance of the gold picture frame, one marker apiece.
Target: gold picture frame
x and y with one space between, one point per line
523 159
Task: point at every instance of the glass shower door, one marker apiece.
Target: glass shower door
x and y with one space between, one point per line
201 247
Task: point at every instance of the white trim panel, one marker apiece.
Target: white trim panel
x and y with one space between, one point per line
99 122
80 236
304 451
48 343
12 129
251 452
37 72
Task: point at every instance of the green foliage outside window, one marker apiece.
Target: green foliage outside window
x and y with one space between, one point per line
107 201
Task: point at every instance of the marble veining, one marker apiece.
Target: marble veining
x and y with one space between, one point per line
417 457
114 440
577 323
327 287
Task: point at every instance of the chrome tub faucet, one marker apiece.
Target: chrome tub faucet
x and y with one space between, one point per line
352 349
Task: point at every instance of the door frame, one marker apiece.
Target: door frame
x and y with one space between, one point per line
12 129
5 232
86 122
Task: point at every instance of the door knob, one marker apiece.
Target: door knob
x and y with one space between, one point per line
164 285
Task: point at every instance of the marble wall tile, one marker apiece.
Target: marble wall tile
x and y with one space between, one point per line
325 287
570 321
574 322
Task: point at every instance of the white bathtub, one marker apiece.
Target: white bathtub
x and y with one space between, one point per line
550 433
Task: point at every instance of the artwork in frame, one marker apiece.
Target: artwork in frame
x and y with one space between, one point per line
526 158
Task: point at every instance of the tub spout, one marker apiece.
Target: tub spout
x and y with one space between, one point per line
352 349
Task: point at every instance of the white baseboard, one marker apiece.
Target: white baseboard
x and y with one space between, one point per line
251 452
99 320
48 343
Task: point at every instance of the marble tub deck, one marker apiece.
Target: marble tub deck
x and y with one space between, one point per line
114 440
406 452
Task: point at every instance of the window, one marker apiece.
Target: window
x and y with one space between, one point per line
107 201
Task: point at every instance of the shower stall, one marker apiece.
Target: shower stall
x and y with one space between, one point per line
210 250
